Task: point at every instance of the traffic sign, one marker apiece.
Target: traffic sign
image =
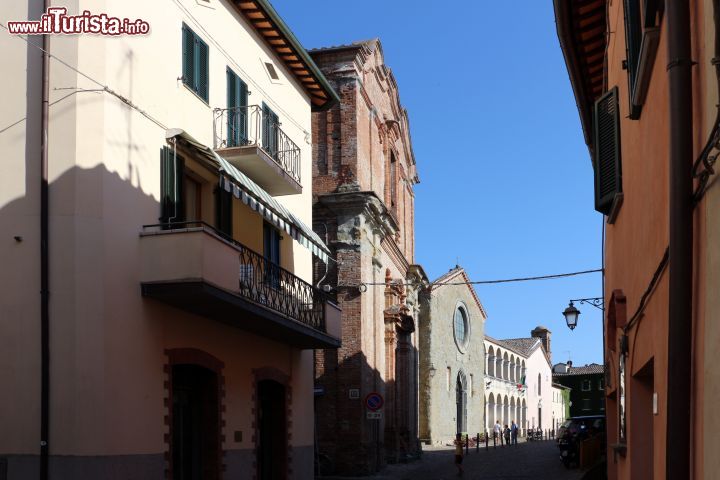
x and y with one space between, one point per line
374 415
374 401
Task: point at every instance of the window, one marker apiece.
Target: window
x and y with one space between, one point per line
223 211
607 163
195 63
641 39
172 174
470 385
539 389
271 124
271 247
393 181
601 384
449 377
461 328
586 404
237 114
585 385
271 71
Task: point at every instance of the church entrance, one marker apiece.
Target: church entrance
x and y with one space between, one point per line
461 400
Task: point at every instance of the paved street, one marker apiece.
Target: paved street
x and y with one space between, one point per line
526 461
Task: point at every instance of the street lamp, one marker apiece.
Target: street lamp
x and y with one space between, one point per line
571 316
571 313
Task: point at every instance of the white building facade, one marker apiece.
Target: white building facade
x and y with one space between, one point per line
518 381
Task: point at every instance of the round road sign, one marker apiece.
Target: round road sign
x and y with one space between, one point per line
374 401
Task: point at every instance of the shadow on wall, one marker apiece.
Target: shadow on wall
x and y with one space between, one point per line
95 217
347 442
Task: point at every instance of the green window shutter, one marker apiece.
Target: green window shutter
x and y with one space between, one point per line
172 195
607 161
271 252
270 130
233 136
237 96
223 211
188 60
201 68
243 116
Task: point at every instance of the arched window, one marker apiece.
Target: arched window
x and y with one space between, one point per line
461 328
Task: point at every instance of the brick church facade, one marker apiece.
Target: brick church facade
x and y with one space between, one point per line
363 177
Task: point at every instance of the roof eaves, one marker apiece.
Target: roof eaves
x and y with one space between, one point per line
302 53
584 100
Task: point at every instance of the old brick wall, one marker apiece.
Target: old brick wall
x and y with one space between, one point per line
371 235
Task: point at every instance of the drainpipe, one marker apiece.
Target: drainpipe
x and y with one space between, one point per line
681 236
44 263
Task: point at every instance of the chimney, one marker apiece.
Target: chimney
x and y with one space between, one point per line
544 335
569 364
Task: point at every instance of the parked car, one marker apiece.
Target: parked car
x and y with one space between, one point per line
574 431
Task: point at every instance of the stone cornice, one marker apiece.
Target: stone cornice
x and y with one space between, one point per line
362 203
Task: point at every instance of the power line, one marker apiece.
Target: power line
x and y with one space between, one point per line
104 87
488 282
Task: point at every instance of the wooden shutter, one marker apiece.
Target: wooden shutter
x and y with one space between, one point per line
188 61
608 173
237 94
172 173
233 136
201 68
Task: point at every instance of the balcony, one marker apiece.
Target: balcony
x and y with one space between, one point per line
252 140
201 271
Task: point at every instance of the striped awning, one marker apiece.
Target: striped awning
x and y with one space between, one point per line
252 195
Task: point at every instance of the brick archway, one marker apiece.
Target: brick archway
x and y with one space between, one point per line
199 358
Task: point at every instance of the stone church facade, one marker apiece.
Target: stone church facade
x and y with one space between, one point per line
363 177
452 359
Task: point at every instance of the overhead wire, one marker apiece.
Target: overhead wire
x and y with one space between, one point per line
103 87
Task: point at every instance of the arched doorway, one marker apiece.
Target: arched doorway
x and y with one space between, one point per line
461 400
272 430
195 439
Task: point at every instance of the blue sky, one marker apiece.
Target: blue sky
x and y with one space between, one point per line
506 180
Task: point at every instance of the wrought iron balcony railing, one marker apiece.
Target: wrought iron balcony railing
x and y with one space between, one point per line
252 125
263 282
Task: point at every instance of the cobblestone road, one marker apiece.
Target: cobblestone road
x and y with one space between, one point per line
526 461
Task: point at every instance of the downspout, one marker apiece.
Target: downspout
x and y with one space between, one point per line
44 263
681 235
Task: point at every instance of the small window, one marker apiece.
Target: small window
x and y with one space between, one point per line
601 384
271 71
195 63
586 404
449 377
586 385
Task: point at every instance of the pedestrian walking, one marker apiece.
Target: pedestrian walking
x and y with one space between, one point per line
459 453
496 433
506 434
513 432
